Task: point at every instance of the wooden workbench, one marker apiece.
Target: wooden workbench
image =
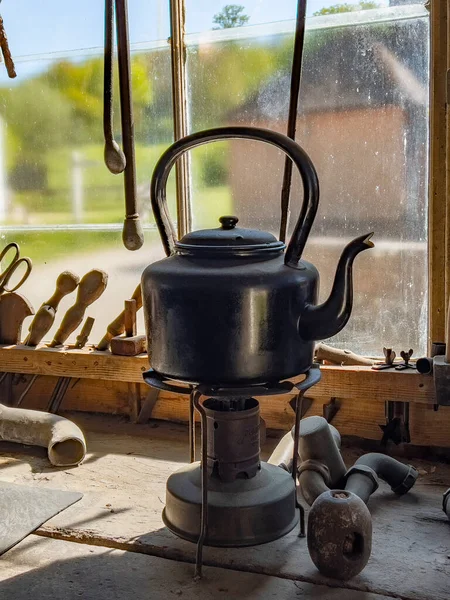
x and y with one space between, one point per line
113 544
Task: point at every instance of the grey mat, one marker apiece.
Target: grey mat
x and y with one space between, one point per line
24 509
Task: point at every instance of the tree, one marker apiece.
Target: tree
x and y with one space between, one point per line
231 16
343 8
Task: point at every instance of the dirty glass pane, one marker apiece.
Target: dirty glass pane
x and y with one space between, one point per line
57 198
363 120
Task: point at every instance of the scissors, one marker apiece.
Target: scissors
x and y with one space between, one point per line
6 274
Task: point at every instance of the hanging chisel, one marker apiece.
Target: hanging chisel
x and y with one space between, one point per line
45 316
90 288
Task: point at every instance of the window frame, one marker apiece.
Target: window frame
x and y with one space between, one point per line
439 149
406 386
439 176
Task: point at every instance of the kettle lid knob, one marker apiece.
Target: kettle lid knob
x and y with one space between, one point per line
228 222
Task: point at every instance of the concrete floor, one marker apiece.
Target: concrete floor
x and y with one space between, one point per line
113 544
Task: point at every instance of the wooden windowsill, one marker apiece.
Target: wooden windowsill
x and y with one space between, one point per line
352 383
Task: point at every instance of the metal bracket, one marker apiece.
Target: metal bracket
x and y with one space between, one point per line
396 428
148 405
306 405
331 409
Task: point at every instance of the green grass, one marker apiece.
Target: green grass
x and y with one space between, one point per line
44 246
103 202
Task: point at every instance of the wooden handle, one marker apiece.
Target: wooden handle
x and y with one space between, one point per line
341 357
90 288
85 333
130 318
45 316
117 327
65 284
40 325
14 308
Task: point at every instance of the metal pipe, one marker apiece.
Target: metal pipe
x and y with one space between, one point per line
63 439
191 427
282 456
318 444
399 476
361 481
312 485
296 75
424 365
132 236
180 112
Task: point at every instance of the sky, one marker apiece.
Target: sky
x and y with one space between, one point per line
46 26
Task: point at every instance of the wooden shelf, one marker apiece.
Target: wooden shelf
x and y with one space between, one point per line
352 383
66 362
101 384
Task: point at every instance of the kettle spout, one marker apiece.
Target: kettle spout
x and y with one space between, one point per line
327 319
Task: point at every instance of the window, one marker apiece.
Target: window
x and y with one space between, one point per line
363 119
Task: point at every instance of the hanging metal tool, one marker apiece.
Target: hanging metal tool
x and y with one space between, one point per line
4 45
116 160
296 75
14 264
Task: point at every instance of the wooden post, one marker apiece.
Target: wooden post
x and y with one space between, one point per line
438 256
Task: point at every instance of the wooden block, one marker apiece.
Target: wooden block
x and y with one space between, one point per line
129 346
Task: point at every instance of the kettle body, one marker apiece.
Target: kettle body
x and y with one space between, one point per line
233 306
228 322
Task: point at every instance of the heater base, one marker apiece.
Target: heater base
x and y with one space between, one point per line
244 512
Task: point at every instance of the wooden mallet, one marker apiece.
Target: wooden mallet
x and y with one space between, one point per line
129 344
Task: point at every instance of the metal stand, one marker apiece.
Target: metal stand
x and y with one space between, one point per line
195 392
204 514
191 428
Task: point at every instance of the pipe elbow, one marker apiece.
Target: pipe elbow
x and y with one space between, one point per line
63 439
399 476
313 480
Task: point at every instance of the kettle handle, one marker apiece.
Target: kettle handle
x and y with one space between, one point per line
290 147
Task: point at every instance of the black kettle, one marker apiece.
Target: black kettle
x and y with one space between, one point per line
232 306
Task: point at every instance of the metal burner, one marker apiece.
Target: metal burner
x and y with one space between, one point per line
230 498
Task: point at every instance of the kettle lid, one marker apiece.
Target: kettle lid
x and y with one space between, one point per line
229 240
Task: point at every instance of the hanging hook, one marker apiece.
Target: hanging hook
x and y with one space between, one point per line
9 63
114 157
117 160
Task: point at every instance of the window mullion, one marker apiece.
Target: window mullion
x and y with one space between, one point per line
439 280
179 107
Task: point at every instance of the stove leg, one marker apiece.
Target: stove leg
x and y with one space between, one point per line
191 427
302 520
204 468
298 416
